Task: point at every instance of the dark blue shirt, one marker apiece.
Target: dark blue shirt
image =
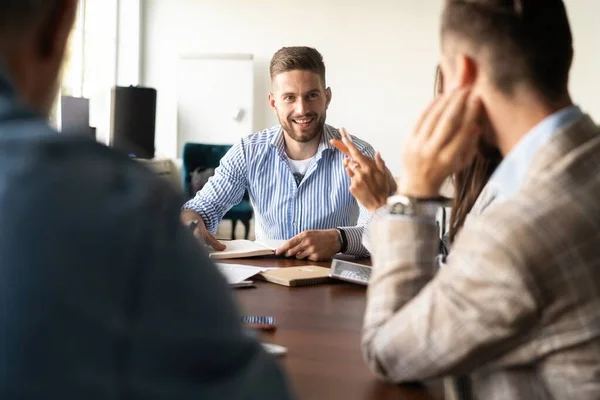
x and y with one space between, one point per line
104 294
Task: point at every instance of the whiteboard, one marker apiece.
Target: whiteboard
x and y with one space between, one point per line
215 98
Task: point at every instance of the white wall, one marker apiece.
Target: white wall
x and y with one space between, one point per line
128 42
584 16
380 56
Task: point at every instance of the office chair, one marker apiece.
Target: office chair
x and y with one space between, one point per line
208 156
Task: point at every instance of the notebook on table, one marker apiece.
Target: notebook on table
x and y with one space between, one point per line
245 249
297 276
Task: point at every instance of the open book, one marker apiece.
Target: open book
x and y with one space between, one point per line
246 248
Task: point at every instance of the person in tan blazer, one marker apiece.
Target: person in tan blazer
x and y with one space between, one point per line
515 312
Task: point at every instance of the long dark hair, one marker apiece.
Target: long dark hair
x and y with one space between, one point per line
469 182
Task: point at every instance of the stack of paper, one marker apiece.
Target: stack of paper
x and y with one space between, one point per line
236 273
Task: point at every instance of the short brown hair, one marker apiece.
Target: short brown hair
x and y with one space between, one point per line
528 41
297 58
17 16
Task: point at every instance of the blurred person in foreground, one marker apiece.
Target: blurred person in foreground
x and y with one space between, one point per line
515 314
105 294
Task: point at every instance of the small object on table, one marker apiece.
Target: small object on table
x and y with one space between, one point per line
265 323
242 284
350 272
274 349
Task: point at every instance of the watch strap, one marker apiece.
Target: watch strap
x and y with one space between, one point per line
416 206
343 239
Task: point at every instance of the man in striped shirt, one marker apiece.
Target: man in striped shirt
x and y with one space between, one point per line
294 176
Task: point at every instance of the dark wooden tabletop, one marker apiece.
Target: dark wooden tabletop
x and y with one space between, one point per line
320 326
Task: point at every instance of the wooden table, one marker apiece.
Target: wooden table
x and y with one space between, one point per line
320 326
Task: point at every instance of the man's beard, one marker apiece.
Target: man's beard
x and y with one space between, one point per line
296 132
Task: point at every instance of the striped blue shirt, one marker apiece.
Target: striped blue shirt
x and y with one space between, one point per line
283 209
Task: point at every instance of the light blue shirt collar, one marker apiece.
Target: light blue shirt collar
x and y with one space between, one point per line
328 133
510 174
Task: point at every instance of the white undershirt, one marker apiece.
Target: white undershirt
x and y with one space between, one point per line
299 166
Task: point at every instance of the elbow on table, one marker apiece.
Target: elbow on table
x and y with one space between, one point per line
380 361
372 356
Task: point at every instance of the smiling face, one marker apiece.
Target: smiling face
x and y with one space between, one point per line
300 101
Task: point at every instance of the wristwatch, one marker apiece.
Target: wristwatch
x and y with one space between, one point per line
343 240
426 207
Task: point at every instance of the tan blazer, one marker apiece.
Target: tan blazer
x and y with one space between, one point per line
517 308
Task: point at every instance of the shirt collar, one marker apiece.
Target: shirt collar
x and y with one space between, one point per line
328 133
510 174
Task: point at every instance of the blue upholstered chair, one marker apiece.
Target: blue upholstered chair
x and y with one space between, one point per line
208 156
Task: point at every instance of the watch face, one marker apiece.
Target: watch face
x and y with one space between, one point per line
402 209
419 207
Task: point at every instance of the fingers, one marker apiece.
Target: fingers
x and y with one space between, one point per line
450 121
350 172
188 216
338 144
210 240
425 113
310 254
299 246
463 145
433 116
354 152
304 253
294 251
353 165
379 162
287 246
387 173
201 233
347 164
345 134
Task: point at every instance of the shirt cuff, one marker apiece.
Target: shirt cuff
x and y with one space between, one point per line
383 214
400 240
199 208
354 236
